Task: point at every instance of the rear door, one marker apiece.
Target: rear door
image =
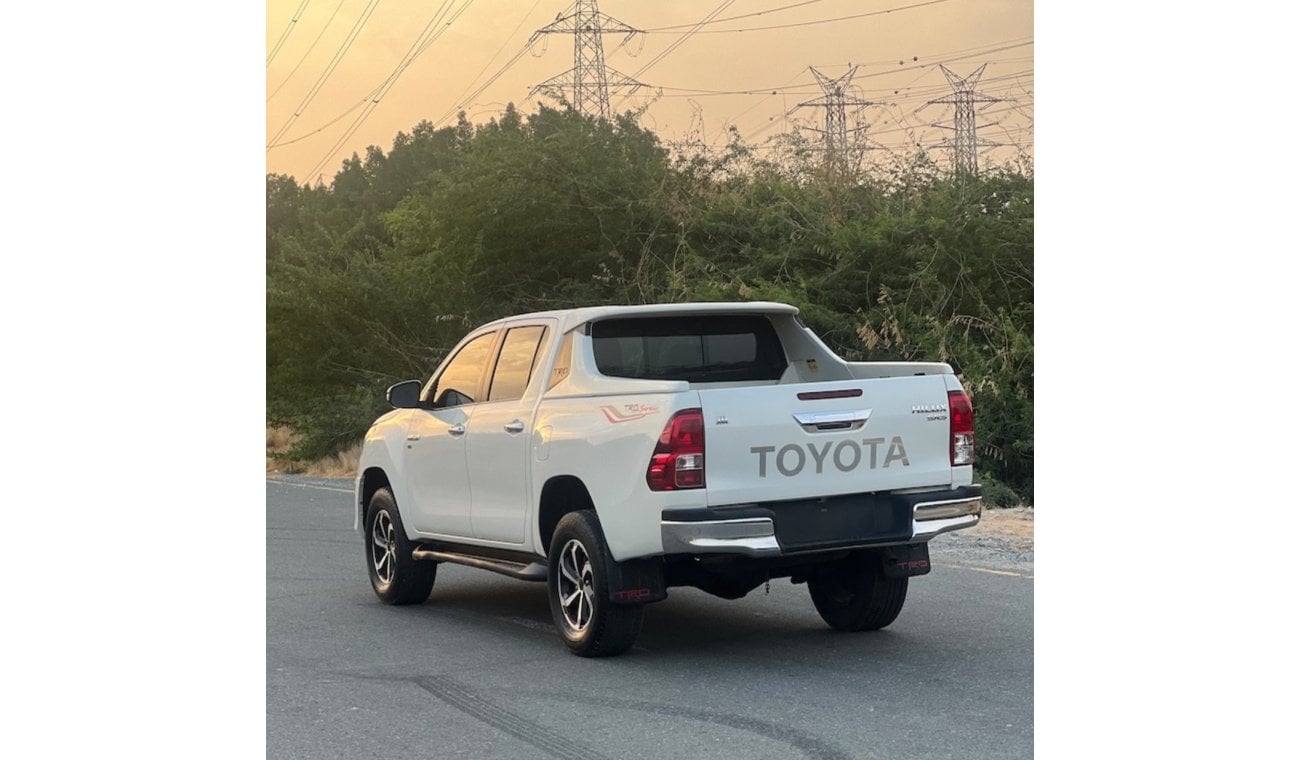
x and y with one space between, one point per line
782 442
498 438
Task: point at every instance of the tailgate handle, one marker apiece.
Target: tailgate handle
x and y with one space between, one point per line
825 422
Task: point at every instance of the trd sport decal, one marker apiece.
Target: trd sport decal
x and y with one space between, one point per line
628 413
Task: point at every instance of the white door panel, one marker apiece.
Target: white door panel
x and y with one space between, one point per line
436 471
500 437
498 469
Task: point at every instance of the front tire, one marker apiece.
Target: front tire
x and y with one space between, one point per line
853 594
578 588
395 575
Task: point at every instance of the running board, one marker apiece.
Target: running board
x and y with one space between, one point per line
533 571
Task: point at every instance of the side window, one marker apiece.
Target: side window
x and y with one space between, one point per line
458 383
515 364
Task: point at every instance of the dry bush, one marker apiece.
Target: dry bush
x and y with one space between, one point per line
279 441
342 464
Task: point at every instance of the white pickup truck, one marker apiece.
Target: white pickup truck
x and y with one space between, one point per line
615 451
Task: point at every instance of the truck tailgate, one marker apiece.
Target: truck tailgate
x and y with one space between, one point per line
783 442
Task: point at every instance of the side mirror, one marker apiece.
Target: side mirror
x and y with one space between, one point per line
404 395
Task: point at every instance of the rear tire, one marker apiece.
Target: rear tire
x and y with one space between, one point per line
395 575
853 594
578 587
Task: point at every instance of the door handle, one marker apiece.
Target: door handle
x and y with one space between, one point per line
849 419
515 427
456 430
412 437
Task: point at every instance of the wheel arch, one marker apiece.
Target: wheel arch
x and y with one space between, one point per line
372 479
560 495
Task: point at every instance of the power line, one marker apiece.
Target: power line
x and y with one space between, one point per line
422 42
504 42
329 69
490 81
312 47
743 15
928 66
772 91
679 42
948 60
285 34
369 97
329 123
950 57
773 121
958 51
1008 109
804 88
928 90
693 31
819 21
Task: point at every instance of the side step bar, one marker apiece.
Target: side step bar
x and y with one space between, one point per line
532 571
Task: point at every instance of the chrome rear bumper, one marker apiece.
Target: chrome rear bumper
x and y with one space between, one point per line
748 534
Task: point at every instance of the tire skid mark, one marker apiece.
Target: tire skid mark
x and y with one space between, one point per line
534 625
809 745
498 717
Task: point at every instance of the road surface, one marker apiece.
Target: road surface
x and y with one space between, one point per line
479 672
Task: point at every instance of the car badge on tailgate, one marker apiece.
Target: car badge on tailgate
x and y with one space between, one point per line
934 412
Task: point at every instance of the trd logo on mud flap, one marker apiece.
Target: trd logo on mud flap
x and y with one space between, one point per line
844 456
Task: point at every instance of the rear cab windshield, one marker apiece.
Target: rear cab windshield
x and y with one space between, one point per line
697 349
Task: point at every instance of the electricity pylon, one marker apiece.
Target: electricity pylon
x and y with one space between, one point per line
965 143
589 80
835 99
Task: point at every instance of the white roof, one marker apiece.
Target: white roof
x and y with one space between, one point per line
570 318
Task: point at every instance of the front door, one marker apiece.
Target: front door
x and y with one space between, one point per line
435 443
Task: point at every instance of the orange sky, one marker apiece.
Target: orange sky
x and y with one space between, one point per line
973 32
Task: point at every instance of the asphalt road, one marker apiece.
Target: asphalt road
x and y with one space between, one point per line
478 671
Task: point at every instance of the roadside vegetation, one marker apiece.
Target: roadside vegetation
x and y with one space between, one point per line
373 278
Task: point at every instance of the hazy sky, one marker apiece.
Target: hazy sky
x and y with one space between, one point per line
488 33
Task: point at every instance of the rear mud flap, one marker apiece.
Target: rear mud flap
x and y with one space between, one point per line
905 561
637 581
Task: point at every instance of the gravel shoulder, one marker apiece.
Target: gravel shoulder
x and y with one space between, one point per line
1003 540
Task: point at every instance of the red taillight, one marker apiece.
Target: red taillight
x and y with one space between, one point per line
678 461
961 425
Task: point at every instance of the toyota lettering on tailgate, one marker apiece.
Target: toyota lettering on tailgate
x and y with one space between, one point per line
845 456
